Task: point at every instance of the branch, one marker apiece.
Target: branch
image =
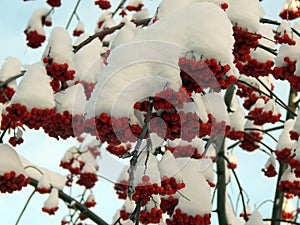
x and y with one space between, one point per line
77 205
76 48
240 187
3 83
73 13
282 220
271 50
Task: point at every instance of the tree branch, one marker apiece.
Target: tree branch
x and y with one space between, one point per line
77 205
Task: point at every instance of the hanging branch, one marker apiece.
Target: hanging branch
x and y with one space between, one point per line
268 49
72 15
24 208
263 131
77 205
240 187
76 48
118 7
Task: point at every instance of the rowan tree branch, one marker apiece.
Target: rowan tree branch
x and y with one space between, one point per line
75 204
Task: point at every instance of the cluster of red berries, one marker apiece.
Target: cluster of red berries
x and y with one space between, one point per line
169 99
254 68
294 135
243 90
153 216
54 3
65 125
73 165
288 14
121 189
77 33
87 180
6 94
114 131
260 118
58 72
295 164
35 119
50 211
34 39
244 41
287 73
283 155
168 204
119 150
14 141
292 187
250 140
252 98
46 21
217 128
43 190
185 151
90 203
135 7
144 191
270 171
285 39
10 182
199 75
88 88
287 215
178 125
232 165
170 185
180 218
235 135
103 4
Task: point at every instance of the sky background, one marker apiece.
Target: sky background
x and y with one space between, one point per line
47 152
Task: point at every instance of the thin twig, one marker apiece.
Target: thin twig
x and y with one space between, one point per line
72 15
282 220
118 7
24 208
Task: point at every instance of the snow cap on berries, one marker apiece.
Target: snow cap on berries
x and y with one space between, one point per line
10 161
79 29
215 105
168 166
255 219
35 21
199 106
126 34
246 14
59 47
284 140
284 28
140 15
10 68
87 61
51 204
35 96
72 100
44 185
236 119
231 217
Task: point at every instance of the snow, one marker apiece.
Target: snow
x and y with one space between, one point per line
199 106
215 104
10 161
142 14
246 14
146 165
126 34
35 21
87 61
292 5
296 151
59 46
255 219
236 119
297 123
44 182
31 95
259 104
284 140
79 26
271 161
288 205
52 201
231 217
168 166
57 181
289 175
10 68
72 100
285 28
271 106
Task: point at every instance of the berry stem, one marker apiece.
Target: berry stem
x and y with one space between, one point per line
73 13
24 208
118 7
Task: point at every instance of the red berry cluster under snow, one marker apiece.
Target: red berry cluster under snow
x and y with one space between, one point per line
54 3
135 7
261 117
6 94
270 171
168 204
180 218
199 75
114 131
185 151
14 141
50 211
103 4
283 155
292 187
284 39
287 73
244 41
34 39
88 88
87 180
254 68
10 182
289 14
119 150
250 141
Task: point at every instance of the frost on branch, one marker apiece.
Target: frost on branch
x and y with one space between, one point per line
12 173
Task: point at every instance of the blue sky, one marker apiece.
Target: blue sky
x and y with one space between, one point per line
42 150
